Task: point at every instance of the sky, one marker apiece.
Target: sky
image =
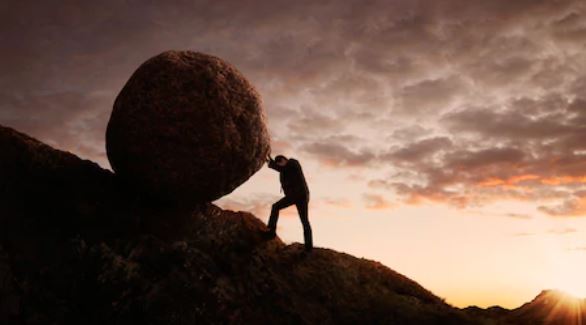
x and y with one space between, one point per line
443 138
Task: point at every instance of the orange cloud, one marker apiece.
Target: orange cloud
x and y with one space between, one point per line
575 207
376 202
494 181
562 180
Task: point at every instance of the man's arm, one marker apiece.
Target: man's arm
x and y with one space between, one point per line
273 164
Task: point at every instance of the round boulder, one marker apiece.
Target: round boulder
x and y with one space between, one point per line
187 127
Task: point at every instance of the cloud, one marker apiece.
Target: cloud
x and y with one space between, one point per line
512 123
70 121
578 249
523 234
430 95
337 202
375 202
419 150
564 231
555 232
259 204
314 122
569 207
336 155
409 133
529 149
519 216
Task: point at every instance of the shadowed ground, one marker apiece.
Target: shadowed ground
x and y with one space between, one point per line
78 247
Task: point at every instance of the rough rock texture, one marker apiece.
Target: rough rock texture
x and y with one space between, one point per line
76 247
187 127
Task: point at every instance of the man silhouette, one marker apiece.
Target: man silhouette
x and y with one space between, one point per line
296 192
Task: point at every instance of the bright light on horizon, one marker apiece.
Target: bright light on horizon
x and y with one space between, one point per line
572 283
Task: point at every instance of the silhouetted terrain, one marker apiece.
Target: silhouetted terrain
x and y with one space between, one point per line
550 307
77 246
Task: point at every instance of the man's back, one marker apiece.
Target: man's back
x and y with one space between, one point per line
293 180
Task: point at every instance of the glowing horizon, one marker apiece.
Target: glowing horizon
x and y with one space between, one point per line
484 265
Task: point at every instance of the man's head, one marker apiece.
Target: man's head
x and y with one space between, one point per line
281 160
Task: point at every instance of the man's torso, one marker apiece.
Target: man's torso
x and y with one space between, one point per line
293 180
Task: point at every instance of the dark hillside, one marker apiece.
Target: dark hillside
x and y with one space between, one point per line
79 247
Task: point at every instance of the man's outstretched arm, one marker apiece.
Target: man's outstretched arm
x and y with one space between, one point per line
272 163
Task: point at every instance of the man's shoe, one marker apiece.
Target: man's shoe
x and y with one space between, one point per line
269 234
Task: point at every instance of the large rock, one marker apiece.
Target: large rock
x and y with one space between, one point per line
187 127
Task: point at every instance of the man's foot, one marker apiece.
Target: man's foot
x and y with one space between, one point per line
305 253
270 234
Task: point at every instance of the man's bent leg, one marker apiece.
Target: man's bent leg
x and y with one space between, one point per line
302 208
281 204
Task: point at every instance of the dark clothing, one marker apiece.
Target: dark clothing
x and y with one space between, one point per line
296 192
301 205
292 178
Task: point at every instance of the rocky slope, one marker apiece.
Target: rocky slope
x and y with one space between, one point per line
77 246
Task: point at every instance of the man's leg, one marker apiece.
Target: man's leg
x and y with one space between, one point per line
302 208
281 204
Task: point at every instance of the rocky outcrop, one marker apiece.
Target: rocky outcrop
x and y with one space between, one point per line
79 247
187 127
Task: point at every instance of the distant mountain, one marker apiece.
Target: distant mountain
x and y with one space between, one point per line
488 315
550 307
